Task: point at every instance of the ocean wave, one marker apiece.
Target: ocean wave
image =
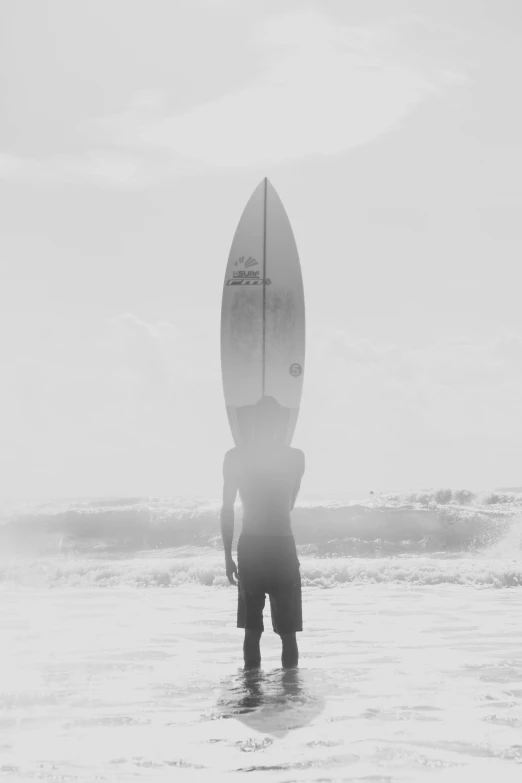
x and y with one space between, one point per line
199 567
435 521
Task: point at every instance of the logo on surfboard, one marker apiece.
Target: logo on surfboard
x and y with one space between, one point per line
295 370
246 263
244 274
249 281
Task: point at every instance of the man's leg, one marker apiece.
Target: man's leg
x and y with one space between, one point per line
290 655
251 651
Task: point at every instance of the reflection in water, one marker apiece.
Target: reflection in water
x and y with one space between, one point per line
273 702
250 687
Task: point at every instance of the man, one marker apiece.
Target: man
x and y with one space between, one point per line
268 476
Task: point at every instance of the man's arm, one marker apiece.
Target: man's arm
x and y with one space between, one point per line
300 469
230 487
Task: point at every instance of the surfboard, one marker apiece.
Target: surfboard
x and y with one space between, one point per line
263 317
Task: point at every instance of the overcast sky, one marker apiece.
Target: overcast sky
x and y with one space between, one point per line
132 133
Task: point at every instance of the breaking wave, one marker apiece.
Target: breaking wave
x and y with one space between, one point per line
441 520
431 538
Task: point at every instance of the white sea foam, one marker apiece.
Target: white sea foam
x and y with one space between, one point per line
423 522
207 568
436 537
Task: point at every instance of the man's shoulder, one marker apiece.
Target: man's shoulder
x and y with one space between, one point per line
297 456
230 459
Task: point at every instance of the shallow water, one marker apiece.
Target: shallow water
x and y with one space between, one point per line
396 682
120 659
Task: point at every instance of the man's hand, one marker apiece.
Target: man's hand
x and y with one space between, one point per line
231 570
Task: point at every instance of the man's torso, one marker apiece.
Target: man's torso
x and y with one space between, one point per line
267 479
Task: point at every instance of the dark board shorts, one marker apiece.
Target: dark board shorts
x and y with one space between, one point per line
269 565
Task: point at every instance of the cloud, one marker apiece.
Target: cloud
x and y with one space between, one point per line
369 392
454 390
130 323
105 168
322 88
180 355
